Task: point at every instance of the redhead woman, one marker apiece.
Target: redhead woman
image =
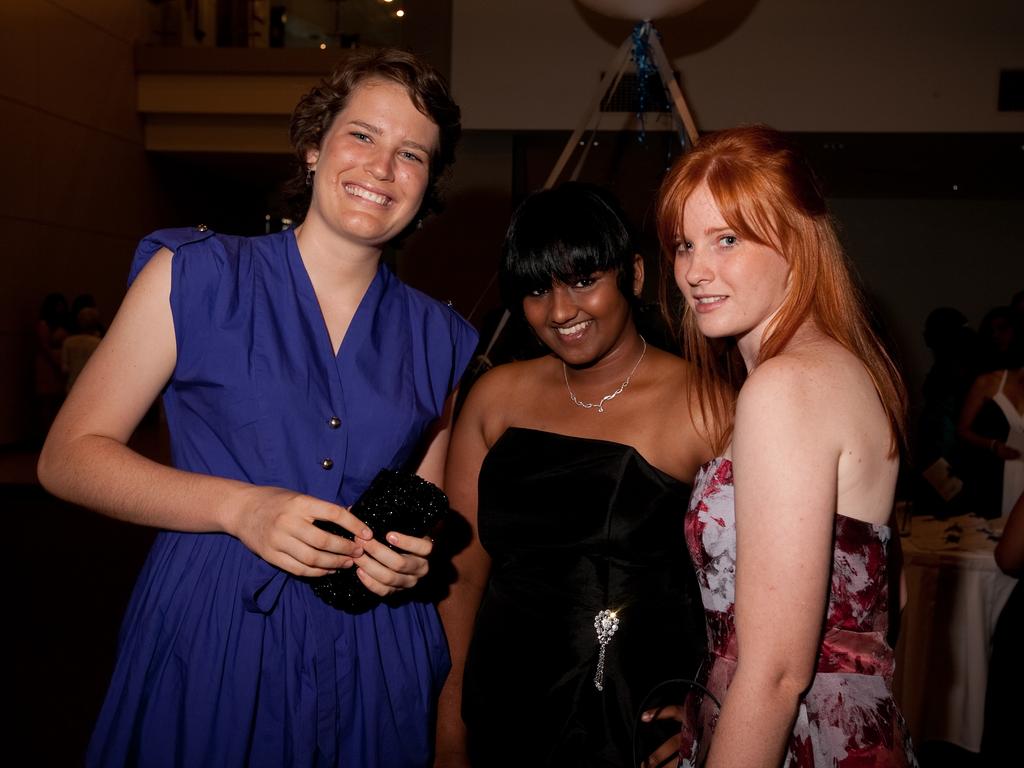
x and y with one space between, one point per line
788 525
293 367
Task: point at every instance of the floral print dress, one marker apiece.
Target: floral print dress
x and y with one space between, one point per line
848 716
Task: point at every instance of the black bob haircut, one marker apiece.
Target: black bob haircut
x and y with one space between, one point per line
563 234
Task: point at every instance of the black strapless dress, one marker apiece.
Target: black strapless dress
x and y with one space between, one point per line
575 526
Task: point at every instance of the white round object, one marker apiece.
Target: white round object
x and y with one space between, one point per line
640 10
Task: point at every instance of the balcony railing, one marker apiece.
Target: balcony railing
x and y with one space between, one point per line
224 75
279 23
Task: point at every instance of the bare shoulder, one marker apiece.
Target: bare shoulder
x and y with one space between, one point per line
987 384
669 362
499 381
813 371
785 378
821 386
157 269
670 419
672 383
502 391
160 259
671 370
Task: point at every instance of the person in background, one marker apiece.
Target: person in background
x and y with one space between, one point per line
294 367
938 459
997 334
1017 309
575 595
991 431
79 346
80 302
788 527
52 327
1009 552
1004 707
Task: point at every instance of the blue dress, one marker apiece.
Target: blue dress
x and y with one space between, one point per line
224 659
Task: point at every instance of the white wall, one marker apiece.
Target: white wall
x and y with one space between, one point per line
799 65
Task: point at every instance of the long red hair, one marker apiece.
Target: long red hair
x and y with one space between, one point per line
765 190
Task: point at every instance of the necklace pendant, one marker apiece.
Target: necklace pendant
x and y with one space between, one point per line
599 405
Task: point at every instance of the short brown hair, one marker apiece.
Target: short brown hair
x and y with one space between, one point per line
316 111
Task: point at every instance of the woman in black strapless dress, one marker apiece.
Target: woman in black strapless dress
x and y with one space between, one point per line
575 595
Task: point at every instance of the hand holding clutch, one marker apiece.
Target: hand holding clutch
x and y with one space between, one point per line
395 501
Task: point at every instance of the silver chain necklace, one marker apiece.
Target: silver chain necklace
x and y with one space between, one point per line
600 404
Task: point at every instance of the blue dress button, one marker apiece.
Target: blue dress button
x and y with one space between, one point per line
327 463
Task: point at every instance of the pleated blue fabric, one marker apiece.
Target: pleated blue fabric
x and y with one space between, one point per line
224 659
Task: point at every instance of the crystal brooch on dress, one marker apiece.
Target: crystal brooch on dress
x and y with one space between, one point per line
606 623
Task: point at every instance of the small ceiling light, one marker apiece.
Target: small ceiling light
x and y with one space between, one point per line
399 13
323 46
388 1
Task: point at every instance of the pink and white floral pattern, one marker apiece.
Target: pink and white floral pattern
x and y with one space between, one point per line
848 716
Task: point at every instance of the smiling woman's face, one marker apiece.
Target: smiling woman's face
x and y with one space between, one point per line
581 322
373 165
733 285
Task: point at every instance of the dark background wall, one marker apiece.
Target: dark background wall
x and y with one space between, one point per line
77 188
922 166
895 102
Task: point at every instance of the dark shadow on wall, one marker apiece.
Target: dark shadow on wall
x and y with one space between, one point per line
69 582
71 579
629 164
231 193
454 256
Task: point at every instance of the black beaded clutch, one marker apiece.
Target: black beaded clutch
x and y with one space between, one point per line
395 501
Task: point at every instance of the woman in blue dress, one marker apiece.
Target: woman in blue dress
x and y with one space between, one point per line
293 367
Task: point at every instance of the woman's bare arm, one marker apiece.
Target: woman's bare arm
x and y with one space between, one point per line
984 388
472 565
86 459
785 468
1009 552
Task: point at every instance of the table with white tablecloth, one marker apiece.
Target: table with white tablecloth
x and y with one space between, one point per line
955 593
